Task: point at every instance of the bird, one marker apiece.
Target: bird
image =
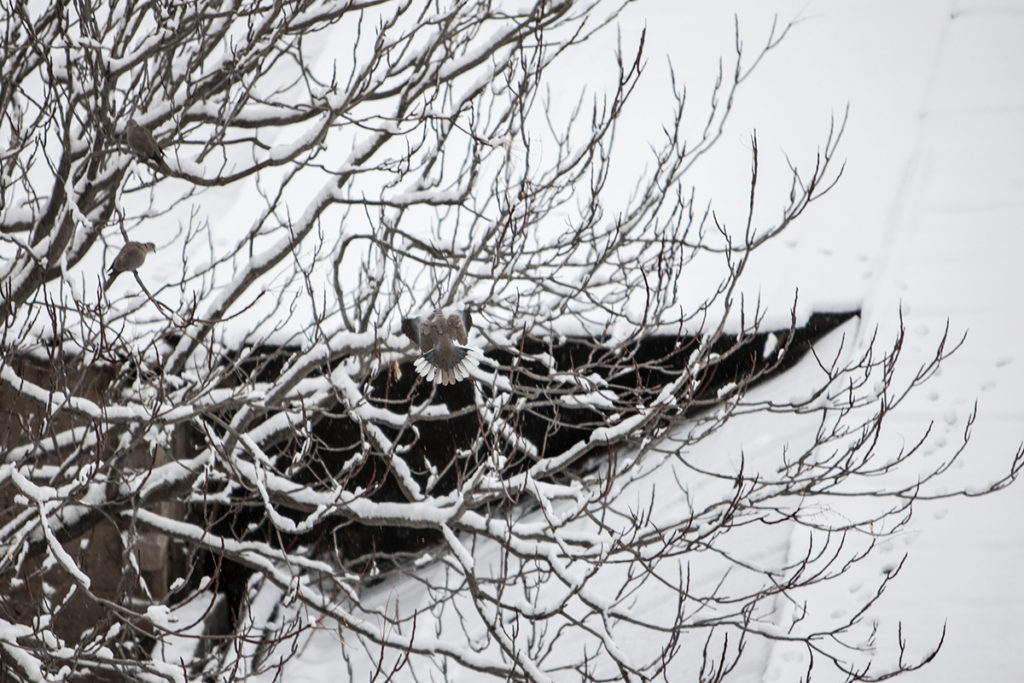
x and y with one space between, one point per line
143 143
131 256
445 359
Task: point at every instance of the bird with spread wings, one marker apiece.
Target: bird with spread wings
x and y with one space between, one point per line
442 338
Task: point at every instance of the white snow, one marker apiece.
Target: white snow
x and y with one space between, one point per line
926 219
927 215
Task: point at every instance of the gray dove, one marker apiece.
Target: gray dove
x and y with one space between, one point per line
442 339
144 144
131 256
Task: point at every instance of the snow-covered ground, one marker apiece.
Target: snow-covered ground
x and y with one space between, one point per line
948 252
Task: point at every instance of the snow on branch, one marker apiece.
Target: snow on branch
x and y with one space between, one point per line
406 367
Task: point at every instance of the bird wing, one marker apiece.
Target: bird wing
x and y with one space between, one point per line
121 260
428 335
411 329
130 257
143 142
150 143
457 328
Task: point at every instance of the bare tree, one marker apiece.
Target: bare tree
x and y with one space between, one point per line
206 463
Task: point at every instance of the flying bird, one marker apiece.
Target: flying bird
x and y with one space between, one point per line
131 256
144 144
446 359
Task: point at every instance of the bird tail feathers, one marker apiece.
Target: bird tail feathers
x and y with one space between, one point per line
454 365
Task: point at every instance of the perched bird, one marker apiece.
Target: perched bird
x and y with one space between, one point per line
131 256
442 339
144 144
